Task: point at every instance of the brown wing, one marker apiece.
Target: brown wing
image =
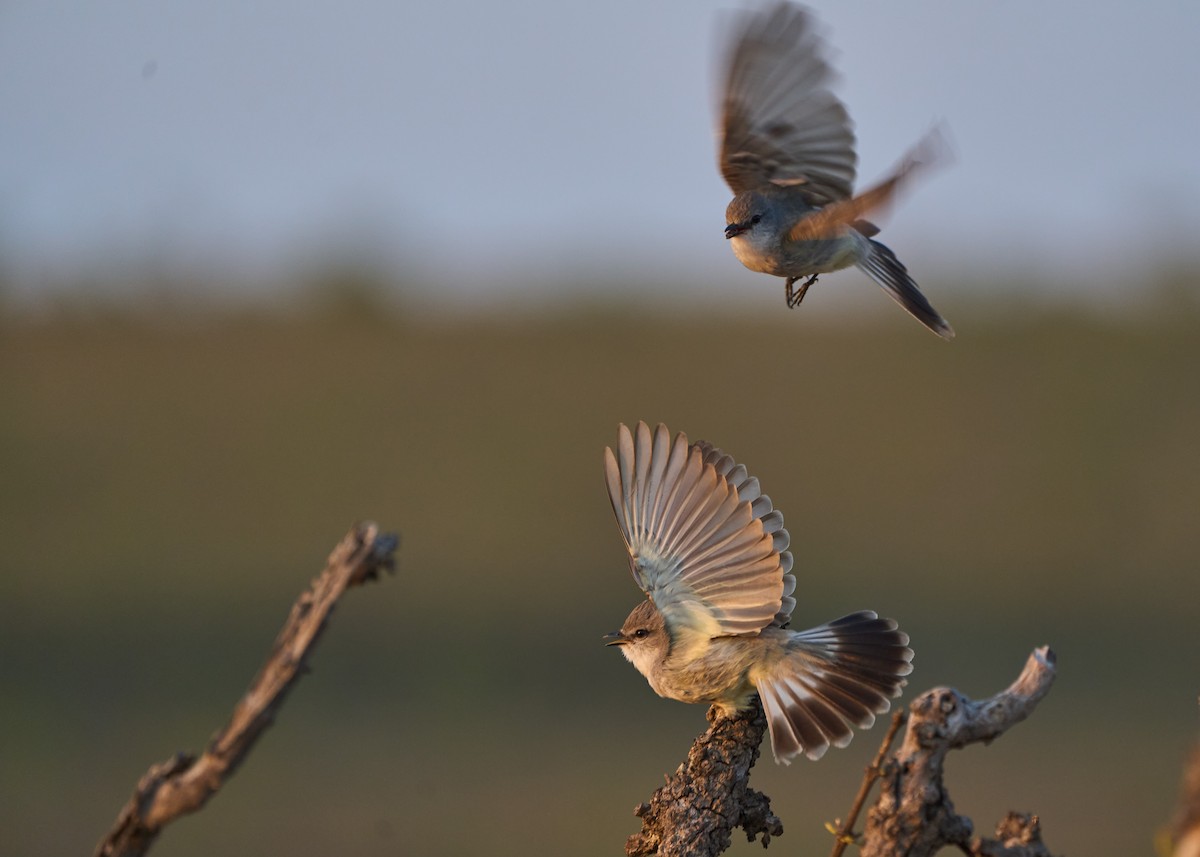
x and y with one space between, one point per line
781 123
834 218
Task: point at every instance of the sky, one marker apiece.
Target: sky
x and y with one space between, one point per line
492 150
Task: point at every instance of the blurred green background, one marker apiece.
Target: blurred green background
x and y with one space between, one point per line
173 478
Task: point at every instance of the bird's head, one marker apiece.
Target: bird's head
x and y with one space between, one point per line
750 213
643 638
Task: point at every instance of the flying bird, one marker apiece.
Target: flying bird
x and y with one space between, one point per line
711 553
787 152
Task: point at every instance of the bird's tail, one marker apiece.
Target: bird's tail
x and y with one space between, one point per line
832 677
881 265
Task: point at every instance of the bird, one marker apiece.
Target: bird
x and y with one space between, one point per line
787 151
710 552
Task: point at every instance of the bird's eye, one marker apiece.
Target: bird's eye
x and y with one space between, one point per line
641 634
754 220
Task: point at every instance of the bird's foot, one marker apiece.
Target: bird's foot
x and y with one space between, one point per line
794 298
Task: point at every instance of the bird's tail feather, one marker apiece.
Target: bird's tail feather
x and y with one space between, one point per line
834 677
881 265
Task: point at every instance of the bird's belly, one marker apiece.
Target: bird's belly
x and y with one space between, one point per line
756 258
796 259
718 674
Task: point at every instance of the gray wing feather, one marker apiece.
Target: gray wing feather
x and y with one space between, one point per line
703 540
748 488
781 122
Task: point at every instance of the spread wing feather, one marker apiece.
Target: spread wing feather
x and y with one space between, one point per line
704 542
781 122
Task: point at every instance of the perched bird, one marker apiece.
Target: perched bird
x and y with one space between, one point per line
787 152
710 552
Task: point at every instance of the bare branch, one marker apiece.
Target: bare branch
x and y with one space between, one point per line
844 836
708 796
914 815
184 784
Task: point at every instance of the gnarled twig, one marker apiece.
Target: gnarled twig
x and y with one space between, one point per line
184 783
914 815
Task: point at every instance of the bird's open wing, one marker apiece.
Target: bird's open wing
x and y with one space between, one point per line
707 556
781 123
835 218
748 490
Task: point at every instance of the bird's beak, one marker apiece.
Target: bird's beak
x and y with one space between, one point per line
616 638
735 229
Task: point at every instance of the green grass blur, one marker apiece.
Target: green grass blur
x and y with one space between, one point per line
170 482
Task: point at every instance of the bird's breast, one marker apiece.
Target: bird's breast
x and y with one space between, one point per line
795 258
717 673
758 255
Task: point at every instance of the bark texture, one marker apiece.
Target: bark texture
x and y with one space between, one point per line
914 815
709 796
184 783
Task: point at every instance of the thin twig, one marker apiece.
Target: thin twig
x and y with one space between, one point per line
184 783
844 836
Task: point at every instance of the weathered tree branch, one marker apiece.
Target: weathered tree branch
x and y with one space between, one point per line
184 783
914 815
709 795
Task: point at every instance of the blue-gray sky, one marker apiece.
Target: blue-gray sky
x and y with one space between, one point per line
499 147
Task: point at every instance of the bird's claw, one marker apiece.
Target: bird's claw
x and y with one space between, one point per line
794 298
